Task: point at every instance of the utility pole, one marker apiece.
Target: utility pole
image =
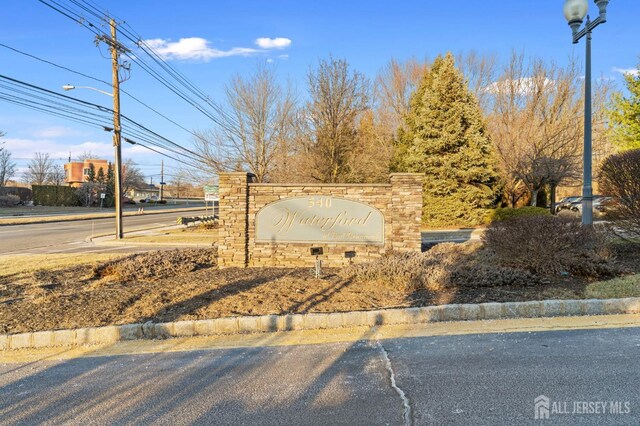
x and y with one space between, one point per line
161 179
115 67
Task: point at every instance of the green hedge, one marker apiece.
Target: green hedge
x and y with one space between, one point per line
507 213
52 195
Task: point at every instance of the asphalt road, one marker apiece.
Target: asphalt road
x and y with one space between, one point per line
487 379
66 237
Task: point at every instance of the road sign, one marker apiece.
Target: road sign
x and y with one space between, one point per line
209 196
212 189
103 195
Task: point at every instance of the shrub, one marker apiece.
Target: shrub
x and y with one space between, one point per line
142 200
620 179
548 244
507 213
9 200
130 202
162 202
445 266
156 265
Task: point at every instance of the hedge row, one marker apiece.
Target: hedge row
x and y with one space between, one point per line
52 195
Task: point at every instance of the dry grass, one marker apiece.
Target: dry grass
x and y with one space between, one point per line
628 286
26 264
192 234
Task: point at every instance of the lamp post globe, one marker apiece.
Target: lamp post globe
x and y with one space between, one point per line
574 13
575 10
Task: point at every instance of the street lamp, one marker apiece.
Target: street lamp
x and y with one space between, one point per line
68 87
574 12
118 153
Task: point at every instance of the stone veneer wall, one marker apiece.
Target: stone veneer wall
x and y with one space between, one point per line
400 201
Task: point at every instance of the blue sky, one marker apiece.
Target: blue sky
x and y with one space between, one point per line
295 35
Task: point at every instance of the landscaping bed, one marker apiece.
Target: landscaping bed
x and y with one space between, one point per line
186 285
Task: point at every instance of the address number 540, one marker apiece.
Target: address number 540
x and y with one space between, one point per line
319 202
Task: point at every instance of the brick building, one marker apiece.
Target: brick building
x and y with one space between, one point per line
76 172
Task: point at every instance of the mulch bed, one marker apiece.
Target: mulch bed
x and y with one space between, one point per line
186 285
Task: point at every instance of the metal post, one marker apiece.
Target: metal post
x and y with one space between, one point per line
587 190
116 131
161 179
318 267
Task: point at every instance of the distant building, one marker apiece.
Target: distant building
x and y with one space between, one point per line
77 172
150 192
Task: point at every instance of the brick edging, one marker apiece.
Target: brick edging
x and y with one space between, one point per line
314 321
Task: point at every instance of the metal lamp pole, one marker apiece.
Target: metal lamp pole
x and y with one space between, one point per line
574 12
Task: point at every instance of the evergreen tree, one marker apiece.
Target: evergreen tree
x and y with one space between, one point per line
109 198
445 138
91 175
625 114
100 177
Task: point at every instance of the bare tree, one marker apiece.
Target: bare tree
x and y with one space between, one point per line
480 71
7 166
253 135
536 111
338 97
132 176
39 169
370 158
393 88
87 155
57 176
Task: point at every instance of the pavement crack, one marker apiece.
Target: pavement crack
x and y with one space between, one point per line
407 414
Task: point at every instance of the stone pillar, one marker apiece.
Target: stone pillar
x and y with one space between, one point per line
406 211
233 235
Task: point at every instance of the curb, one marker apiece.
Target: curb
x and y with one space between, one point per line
315 321
95 239
90 238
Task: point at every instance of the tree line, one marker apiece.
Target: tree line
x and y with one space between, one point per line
483 134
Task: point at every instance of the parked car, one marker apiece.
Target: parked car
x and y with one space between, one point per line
600 204
567 202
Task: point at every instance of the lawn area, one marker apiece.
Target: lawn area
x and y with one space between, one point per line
628 286
190 234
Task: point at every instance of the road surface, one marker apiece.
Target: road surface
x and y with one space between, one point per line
479 379
66 237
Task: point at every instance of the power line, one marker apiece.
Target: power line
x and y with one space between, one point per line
85 103
85 117
167 68
99 81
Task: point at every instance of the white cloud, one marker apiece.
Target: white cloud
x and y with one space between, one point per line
55 132
25 148
200 49
285 56
194 48
269 60
273 43
522 87
625 71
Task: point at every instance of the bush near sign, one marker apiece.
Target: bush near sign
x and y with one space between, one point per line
314 219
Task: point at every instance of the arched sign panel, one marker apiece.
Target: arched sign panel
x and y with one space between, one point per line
317 219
